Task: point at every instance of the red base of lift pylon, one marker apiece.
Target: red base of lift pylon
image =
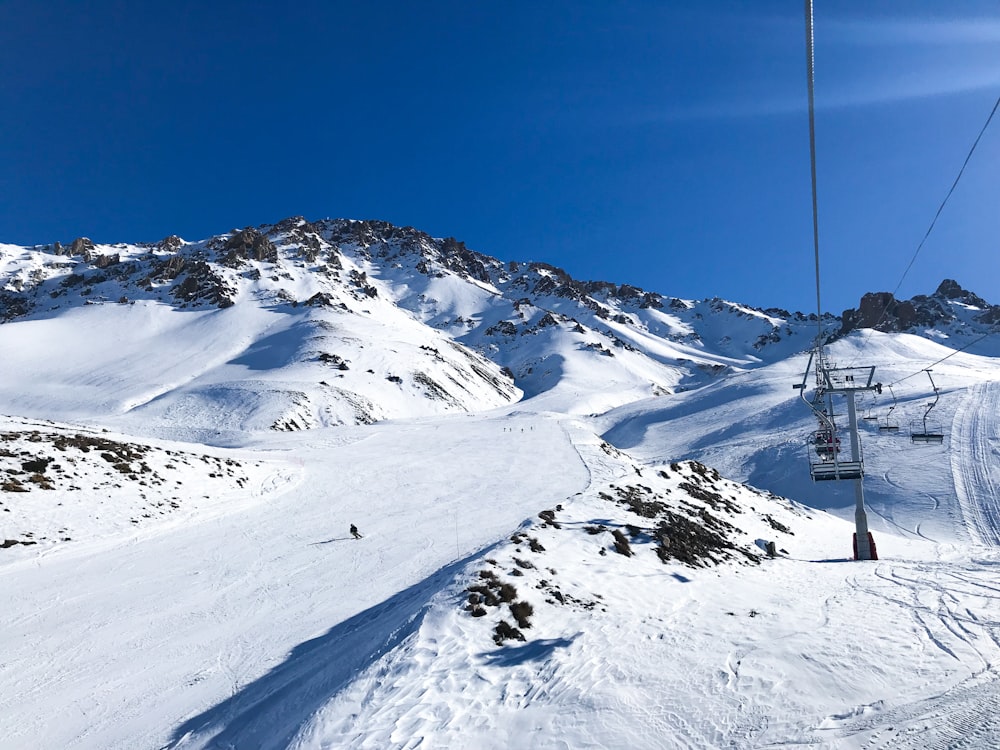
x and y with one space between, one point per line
871 546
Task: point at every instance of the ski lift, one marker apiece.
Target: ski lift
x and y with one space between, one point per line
824 442
826 445
870 415
922 432
887 425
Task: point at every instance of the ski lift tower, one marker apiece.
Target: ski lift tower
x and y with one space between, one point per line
830 463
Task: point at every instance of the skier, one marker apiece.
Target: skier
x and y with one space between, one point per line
354 532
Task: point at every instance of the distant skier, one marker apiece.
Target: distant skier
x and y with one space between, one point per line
354 532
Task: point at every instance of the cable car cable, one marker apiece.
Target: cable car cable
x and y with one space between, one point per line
810 78
934 364
927 234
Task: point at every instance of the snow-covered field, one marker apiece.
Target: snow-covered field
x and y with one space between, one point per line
178 572
251 619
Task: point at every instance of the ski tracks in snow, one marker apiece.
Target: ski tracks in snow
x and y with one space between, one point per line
974 465
966 717
953 611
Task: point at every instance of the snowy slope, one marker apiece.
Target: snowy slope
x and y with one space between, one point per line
753 428
259 623
193 426
344 322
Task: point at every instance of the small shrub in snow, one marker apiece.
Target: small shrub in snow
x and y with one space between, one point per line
507 592
37 465
549 516
490 599
522 611
534 545
504 631
526 564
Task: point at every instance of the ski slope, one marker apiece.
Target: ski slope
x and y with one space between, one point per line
258 623
180 573
752 427
974 465
130 635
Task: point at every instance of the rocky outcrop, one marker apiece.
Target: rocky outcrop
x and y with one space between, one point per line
950 289
202 284
247 244
881 311
83 247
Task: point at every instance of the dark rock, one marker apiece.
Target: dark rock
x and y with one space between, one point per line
950 289
82 246
248 244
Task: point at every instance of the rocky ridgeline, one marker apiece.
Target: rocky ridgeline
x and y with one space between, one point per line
524 316
195 273
208 273
949 305
685 515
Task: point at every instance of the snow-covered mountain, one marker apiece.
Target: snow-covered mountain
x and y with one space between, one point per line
559 548
307 323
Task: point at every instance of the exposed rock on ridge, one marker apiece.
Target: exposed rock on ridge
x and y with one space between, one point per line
883 312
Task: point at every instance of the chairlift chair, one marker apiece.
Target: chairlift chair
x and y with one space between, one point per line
828 465
922 432
887 425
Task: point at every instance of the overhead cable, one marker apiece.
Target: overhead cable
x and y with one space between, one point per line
810 77
934 364
927 234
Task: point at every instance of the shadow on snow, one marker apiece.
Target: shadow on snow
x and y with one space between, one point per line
535 651
269 711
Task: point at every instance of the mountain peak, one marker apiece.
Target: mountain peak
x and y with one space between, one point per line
951 289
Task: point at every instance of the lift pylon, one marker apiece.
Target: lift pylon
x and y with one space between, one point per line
834 460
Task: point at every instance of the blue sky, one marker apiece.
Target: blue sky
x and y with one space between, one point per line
662 144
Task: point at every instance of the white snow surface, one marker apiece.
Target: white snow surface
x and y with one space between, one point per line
178 485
